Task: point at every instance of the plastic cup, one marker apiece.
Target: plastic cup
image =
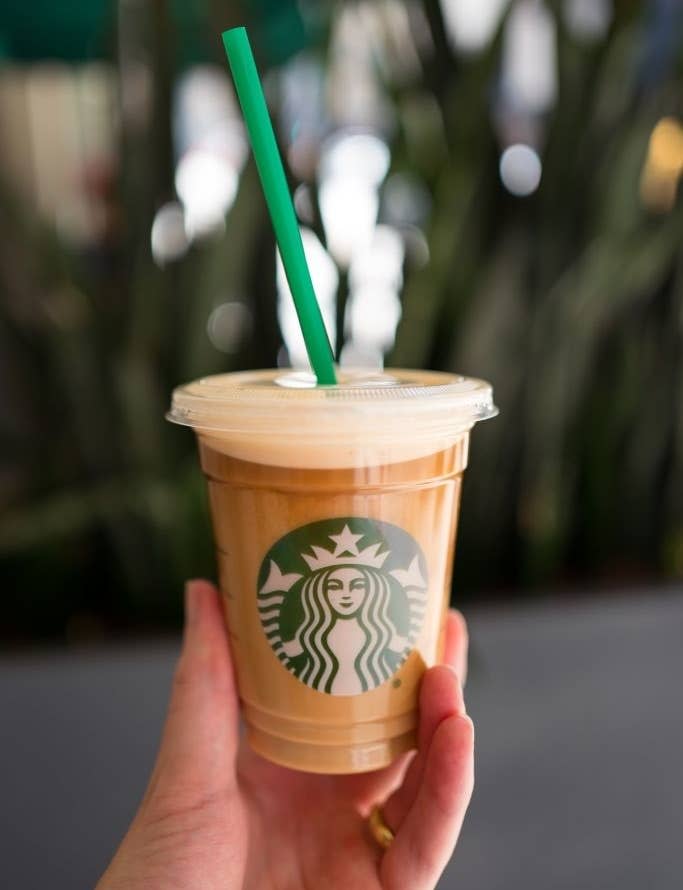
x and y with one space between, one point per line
334 512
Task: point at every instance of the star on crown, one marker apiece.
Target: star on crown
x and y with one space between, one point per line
345 553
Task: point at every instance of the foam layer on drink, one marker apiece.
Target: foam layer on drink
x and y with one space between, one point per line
283 419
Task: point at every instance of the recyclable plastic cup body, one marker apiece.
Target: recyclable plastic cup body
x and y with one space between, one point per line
334 512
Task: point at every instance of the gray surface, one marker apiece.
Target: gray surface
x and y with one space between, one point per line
579 718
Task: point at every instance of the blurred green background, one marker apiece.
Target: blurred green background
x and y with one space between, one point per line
485 186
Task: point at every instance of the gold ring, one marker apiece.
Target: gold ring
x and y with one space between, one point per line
379 829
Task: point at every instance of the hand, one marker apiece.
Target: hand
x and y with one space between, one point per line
216 815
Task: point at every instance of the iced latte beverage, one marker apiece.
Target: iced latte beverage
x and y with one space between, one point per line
334 511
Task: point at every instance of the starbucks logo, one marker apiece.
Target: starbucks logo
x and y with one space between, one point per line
342 602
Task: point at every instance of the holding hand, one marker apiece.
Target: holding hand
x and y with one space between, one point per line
216 816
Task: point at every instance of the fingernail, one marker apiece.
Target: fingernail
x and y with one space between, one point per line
455 674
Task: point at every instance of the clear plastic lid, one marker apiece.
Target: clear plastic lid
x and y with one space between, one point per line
286 404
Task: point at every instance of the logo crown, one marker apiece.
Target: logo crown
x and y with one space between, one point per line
345 553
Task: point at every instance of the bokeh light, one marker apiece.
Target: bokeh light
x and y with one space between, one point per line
325 278
663 166
349 211
374 307
303 203
372 315
211 147
588 20
229 325
470 24
353 166
361 155
520 170
380 260
207 185
169 239
529 64
361 355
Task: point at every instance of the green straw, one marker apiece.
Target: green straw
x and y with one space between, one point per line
271 171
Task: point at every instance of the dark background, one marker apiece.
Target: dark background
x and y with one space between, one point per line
393 118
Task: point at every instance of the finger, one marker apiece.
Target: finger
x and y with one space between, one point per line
363 790
425 841
456 644
440 698
200 738
367 788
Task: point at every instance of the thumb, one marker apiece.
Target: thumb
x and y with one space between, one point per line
199 743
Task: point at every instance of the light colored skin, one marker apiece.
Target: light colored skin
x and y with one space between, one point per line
216 816
346 589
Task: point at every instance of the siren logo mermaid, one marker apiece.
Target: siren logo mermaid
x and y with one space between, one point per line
342 602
